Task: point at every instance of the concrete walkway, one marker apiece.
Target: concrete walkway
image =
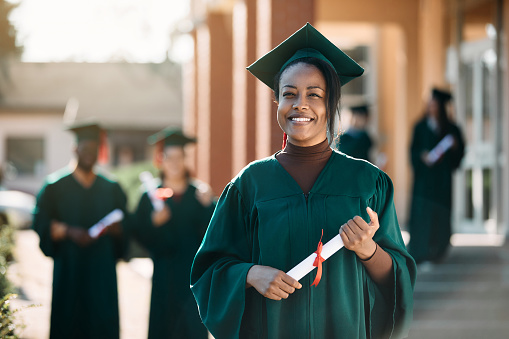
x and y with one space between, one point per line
32 274
466 296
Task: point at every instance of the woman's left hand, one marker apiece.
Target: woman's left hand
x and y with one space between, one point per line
357 235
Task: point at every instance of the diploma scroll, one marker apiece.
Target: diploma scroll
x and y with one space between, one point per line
306 266
150 185
113 217
440 148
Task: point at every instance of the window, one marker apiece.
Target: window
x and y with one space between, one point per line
26 155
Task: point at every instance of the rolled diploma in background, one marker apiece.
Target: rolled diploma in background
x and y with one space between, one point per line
306 266
150 185
114 216
440 148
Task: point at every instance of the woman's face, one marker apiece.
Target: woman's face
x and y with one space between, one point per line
173 164
301 111
433 108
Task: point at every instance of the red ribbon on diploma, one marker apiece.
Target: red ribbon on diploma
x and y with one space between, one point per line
318 262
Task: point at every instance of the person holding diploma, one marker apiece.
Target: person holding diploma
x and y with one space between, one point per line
272 215
172 235
430 210
85 301
355 141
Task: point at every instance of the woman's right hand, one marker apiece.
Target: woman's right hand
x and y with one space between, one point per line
271 283
161 217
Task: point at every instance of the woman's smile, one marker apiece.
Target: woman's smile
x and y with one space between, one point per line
301 108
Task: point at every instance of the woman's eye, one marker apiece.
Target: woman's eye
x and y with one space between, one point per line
315 95
287 94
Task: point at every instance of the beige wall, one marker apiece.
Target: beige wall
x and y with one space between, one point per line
58 144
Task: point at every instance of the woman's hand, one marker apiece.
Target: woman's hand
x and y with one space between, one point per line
358 235
79 235
161 217
114 229
58 230
271 283
425 159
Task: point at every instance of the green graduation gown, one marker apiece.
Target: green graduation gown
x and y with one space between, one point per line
85 300
172 246
355 143
430 211
264 218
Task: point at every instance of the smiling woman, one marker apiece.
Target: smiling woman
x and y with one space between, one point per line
95 30
273 214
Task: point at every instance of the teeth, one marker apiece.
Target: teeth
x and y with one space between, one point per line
301 119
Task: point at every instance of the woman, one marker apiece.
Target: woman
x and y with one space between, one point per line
271 216
172 235
430 214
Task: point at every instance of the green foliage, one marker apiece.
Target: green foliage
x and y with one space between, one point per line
6 314
128 178
6 246
7 317
7 31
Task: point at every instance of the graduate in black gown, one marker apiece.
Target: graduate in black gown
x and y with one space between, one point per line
172 235
275 212
430 213
355 141
85 301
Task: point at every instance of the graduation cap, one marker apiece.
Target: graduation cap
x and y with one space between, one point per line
90 130
360 110
441 95
306 42
86 131
170 137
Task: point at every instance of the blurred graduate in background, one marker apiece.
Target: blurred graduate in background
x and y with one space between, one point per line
355 141
72 200
172 234
436 151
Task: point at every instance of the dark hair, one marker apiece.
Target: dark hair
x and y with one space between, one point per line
333 90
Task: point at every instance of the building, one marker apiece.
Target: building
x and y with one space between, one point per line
407 47
37 99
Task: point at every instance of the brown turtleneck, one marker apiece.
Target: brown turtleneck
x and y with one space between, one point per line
305 164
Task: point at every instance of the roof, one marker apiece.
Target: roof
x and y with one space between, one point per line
146 96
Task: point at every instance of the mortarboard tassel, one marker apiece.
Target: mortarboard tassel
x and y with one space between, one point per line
318 262
285 137
103 155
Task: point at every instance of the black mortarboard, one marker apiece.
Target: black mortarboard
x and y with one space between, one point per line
86 130
361 109
306 42
441 95
171 137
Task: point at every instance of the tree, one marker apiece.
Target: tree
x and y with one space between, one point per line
7 31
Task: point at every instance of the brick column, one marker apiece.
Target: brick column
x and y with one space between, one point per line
276 21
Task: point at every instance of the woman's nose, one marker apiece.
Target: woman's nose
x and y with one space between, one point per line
300 102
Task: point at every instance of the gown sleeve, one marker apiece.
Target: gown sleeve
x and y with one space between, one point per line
43 214
143 230
218 275
459 150
416 149
391 313
121 242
